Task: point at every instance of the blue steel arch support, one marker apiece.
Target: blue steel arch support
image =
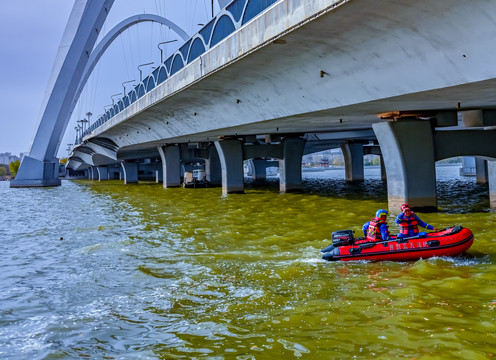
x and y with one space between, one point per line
197 48
177 64
223 28
253 8
40 168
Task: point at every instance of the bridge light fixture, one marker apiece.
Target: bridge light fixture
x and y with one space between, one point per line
89 114
126 82
161 51
141 72
112 97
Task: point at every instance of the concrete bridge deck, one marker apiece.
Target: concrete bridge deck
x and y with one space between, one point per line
307 75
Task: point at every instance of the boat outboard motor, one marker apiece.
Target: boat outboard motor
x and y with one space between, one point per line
342 237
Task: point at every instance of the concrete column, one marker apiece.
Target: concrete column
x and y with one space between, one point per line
481 170
290 165
130 172
171 165
353 161
159 175
383 169
491 172
408 150
259 169
103 173
113 171
213 170
94 173
231 161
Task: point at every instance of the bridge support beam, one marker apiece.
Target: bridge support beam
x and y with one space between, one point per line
231 161
259 169
130 171
408 151
103 173
171 165
383 169
213 170
290 164
94 173
491 172
353 161
36 173
159 175
481 171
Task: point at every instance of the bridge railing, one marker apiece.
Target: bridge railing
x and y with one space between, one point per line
230 19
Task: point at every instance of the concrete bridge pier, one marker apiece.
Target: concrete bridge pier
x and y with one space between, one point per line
481 171
171 165
103 173
259 169
408 150
491 172
159 175
130 172
148 170
114 172
213 170
231 161
353 161
383 168
290 164
94 173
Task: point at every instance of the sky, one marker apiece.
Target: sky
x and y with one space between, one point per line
30 34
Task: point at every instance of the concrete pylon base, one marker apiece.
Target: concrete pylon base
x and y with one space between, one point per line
213 170
130 171
407 147
103 173
171 165
259 173
290 165
353 161
36 173
231 161
491 172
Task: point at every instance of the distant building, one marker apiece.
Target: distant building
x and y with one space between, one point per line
7 158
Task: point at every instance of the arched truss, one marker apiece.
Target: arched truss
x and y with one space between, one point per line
100 49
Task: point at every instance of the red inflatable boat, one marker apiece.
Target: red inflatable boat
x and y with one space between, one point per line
448 242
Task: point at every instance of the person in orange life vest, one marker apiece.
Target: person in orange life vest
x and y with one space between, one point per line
409 223
376 229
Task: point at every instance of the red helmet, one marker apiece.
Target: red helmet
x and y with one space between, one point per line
405 206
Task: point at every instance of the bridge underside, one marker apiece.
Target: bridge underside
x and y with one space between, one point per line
324 74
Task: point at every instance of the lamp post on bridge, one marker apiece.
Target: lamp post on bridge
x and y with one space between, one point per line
77 134
112 97
69 148
80 129
141 72
124 88
89 114
161 51
83 124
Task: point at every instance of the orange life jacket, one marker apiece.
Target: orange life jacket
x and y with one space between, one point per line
409 223
374 230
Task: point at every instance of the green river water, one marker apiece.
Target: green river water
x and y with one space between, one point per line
106 271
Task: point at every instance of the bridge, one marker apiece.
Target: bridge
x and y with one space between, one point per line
271 80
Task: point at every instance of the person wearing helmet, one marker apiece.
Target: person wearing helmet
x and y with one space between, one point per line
409 223
377 229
